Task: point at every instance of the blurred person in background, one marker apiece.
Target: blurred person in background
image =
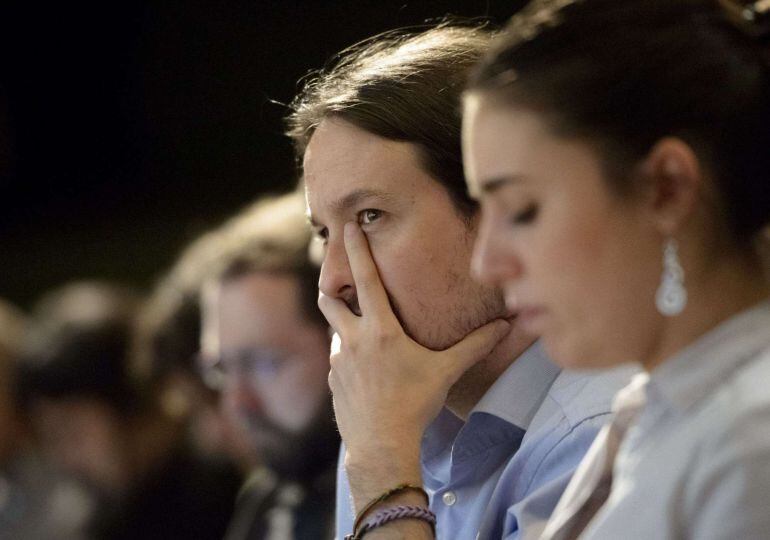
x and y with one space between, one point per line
93 421
166 345
35 503
265 346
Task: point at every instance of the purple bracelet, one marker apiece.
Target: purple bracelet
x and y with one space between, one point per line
392 514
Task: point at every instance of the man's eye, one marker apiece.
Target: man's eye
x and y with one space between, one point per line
365 217
321 234
526 216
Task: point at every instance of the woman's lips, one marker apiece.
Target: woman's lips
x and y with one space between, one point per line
526 316
530 318
511 303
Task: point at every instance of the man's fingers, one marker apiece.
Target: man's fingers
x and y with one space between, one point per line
372 298
336 343
337 313
475 346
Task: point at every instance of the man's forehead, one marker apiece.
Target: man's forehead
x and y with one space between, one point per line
340 152
258 306
329 149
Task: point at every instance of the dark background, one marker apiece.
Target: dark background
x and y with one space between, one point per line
127 129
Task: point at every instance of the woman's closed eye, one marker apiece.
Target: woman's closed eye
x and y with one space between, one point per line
525 216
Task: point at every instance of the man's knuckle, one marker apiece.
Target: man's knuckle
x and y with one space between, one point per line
350 346
385 333
334 362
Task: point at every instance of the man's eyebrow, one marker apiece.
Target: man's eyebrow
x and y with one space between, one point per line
355 197
343 205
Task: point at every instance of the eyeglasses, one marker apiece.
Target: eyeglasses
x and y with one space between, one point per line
255 364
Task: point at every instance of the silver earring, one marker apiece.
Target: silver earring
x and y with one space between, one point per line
671 297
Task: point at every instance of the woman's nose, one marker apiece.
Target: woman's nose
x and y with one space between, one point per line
495 260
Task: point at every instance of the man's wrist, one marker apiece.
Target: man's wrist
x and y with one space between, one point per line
388 462
372 472
400 516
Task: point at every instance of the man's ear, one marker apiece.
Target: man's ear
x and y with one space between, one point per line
673 179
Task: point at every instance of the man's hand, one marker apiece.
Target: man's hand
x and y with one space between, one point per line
386 387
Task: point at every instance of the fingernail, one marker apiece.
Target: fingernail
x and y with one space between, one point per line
350 229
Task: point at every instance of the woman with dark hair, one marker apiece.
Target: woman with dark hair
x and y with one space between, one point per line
620 150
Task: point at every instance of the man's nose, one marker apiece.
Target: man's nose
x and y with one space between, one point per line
336 280
241 396
494 260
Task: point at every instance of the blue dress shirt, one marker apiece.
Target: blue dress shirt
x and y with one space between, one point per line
502 472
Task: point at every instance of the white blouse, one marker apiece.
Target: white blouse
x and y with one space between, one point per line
695 462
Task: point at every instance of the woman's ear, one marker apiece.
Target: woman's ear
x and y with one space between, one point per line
673 178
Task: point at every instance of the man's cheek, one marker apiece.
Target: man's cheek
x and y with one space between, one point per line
296 406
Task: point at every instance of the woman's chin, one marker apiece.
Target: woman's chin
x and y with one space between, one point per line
573 355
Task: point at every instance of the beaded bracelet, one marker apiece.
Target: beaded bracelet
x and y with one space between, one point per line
393 491
393 514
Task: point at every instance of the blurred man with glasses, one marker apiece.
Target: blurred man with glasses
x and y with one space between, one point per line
265 345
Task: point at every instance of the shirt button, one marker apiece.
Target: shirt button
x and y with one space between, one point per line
449 498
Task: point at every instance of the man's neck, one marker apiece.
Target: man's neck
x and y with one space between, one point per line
474 383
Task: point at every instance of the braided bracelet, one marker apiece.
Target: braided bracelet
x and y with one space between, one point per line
393 514
393 491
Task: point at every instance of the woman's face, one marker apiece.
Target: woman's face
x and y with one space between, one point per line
577 262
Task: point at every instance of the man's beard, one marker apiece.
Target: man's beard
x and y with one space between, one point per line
295 456
455 326
461 322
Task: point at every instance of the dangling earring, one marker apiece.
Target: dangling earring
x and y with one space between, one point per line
671 297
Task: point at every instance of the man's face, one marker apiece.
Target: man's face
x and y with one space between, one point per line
275 361
418 240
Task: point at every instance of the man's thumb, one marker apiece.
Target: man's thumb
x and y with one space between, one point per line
476 346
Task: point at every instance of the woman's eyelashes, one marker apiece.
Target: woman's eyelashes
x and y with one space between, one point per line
525 216
369 216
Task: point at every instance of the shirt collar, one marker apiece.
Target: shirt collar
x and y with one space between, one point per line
514 397
694 372
518 393
440 434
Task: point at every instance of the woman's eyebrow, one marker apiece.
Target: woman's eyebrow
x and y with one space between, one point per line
488 186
